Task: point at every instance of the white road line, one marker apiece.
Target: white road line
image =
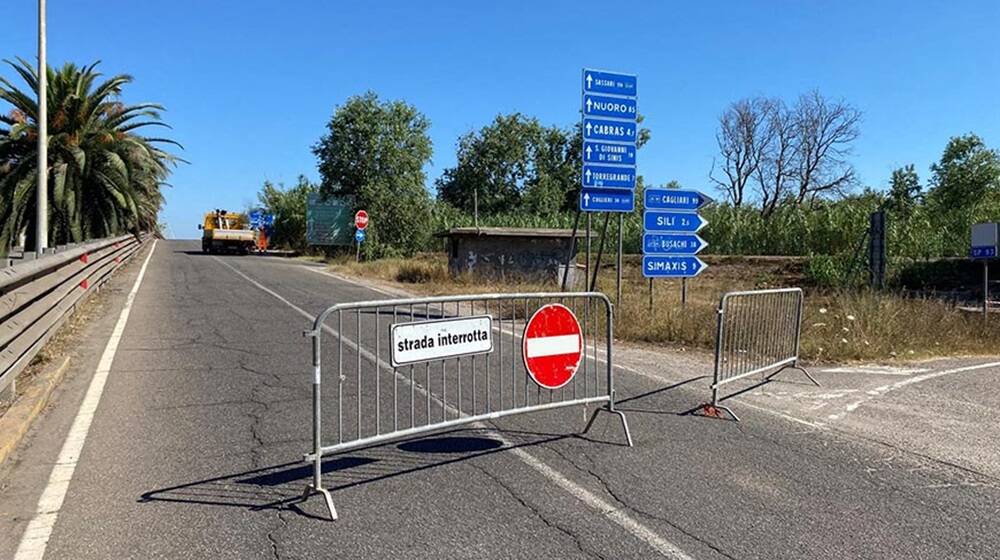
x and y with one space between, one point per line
349 281
885 389
36 536
876 370
604 508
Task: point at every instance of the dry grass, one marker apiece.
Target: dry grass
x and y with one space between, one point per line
837 326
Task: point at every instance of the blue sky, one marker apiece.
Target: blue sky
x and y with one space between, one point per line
249 85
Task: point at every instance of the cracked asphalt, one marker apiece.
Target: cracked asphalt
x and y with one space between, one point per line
195 452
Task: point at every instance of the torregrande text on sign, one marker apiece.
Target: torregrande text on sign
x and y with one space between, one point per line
424 341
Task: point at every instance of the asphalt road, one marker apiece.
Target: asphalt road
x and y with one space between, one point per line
195 452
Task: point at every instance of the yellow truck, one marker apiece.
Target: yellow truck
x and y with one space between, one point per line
224 231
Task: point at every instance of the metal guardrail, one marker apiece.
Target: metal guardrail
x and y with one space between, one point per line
758 332
36 296
375 401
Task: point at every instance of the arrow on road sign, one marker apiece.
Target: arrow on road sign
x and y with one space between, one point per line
672 244
597 81
607 106
607 200
656 266
683 222
616 131
608 152
609 177
676 199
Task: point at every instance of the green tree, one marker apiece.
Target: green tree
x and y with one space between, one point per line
515 164
105 178
966 175
289 208
377 151
495 164
965 189
904 191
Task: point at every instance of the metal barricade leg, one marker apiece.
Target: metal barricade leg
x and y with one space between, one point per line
316 487
610 407
799 368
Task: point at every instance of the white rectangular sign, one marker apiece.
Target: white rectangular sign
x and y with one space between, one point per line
423 341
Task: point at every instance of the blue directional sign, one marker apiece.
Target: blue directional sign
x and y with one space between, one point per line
607 200
675 199
608 177
258 219
604 152
596 81
359 235
605 106
603 129
684 222
672 244
656 266
985 252
610 130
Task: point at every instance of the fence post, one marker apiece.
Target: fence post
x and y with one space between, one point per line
986 290
317 485
876 250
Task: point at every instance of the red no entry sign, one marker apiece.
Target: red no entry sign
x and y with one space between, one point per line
361 219
552 346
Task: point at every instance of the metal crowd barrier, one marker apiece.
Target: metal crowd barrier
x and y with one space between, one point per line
374 401
758 332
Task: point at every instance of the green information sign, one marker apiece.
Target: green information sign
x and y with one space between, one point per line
330 221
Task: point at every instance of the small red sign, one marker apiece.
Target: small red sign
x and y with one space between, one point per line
552 346
361 219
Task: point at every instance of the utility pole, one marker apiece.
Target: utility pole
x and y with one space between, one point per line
41 189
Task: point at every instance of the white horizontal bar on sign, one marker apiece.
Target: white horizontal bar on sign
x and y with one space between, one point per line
425 341
552 345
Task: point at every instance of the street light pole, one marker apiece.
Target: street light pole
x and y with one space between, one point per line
41 189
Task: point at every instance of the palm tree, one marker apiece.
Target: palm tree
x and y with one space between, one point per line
104 178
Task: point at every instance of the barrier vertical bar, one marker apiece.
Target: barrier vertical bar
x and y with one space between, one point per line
538 388
317 411
395 379
340 376
488 373
458 366
413 387
444 377
500 353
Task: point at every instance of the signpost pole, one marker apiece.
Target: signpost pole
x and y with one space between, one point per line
618 298
587 275
986 290
650 295
600 253
572 250
42 186
357 251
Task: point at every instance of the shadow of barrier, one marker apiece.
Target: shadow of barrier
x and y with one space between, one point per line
758 332
390 386
279 486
